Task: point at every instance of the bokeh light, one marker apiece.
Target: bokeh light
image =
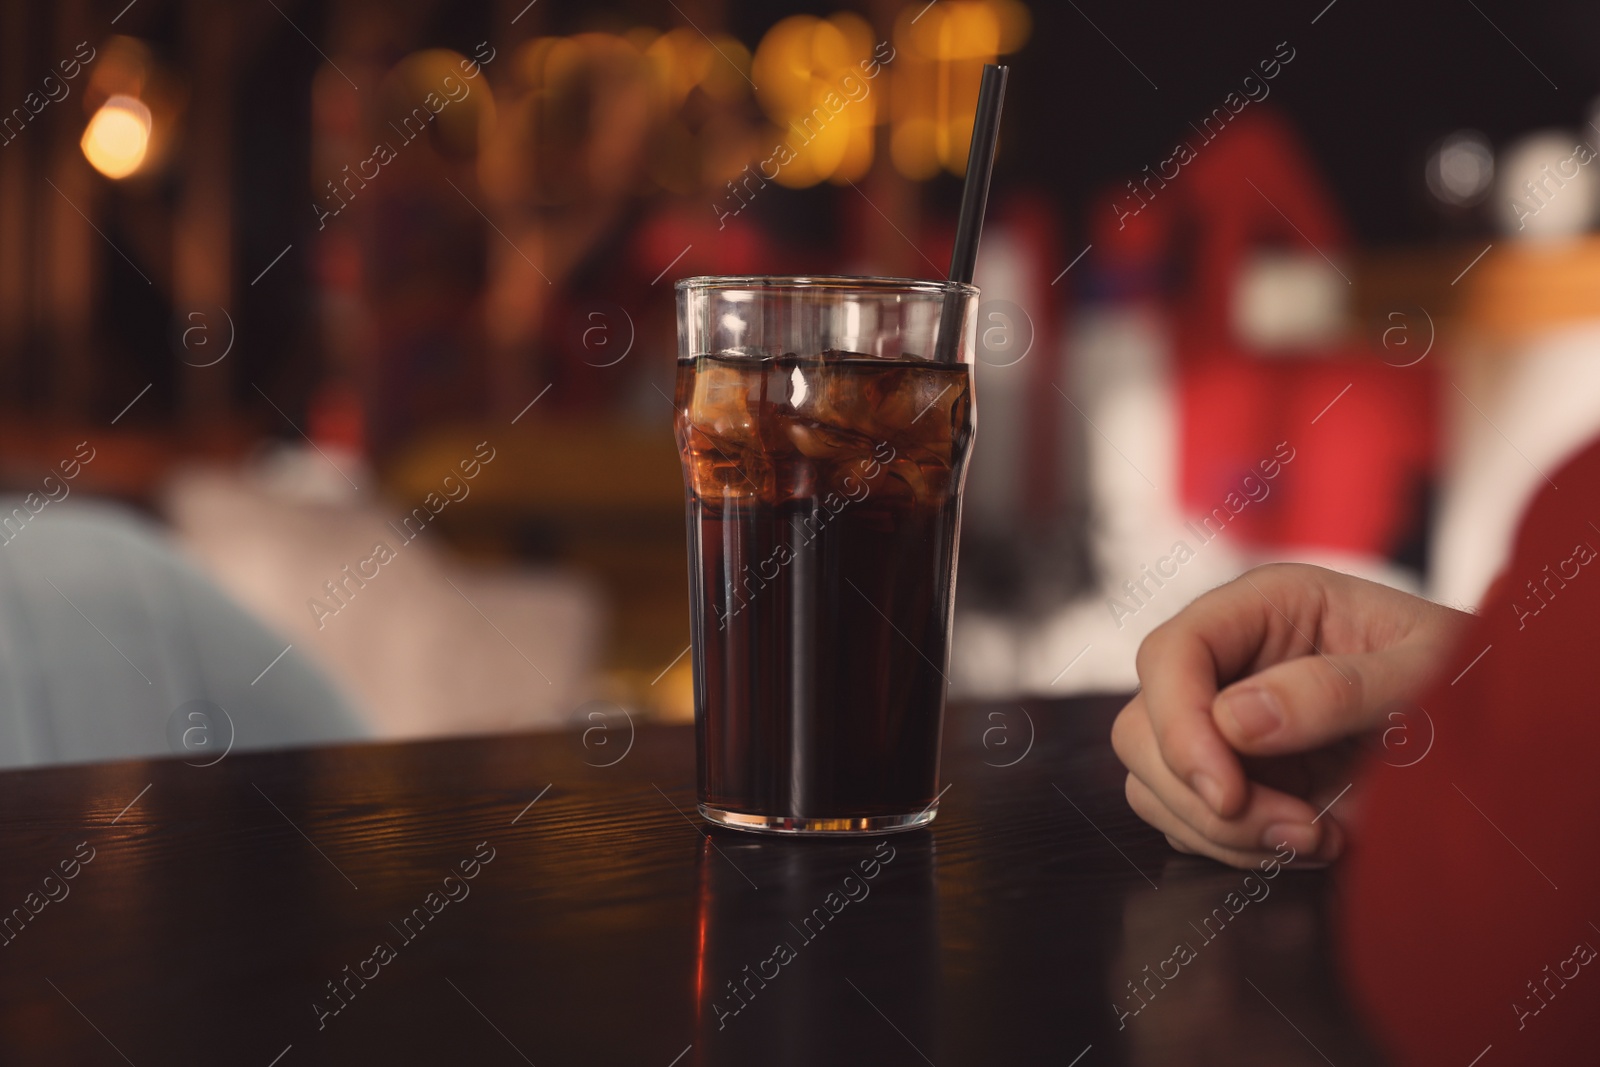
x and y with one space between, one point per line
118 136
941 51
814 87
1461 168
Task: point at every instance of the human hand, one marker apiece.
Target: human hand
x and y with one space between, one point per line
1251 700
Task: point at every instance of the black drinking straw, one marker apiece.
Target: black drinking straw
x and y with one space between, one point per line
980 167
974 198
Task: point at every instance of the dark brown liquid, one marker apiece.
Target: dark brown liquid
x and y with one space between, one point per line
823 515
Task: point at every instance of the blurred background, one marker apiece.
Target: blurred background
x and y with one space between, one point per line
369 307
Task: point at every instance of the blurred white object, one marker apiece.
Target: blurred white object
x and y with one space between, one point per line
1125 388
324 475
984 649
1512 422
1288 300
1461 168
992 498
1547 186
426 645
1123 384
169 666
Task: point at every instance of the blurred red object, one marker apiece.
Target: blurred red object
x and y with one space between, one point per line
1362 435
1470 886
1363 431
337 419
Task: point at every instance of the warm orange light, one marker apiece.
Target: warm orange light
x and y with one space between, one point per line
117 137
684 60
816 89
942 51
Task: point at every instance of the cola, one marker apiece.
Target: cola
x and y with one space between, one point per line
824 508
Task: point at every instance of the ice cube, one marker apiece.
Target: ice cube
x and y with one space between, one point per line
915 401
904 471
722 403
721 470
837 397
823 441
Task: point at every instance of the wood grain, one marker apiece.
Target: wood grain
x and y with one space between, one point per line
610 920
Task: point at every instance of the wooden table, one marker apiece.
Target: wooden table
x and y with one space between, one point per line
539 906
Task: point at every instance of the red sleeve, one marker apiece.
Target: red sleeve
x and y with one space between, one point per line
1471 891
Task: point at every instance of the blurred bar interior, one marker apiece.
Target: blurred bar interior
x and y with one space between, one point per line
371 305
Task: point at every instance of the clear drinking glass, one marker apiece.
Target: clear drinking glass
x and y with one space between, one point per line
824 425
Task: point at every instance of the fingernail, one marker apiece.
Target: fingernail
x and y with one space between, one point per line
1208 789
1300 836
1255 712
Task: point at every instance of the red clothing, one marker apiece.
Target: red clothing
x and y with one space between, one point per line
1471 894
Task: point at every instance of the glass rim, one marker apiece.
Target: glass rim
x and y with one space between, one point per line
824 283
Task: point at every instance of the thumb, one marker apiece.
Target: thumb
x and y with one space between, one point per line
1311 701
